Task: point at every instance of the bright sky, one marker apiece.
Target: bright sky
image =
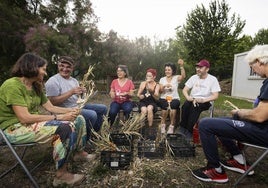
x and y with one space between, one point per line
159 18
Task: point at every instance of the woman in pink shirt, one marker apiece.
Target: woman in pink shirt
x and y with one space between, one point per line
122 89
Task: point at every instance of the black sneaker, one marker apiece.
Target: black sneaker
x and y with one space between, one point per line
234 165
210 175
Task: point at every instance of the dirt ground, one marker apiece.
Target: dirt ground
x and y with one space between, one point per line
142 172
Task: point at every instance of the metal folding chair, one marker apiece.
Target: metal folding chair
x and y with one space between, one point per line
264 153
211 109
5 142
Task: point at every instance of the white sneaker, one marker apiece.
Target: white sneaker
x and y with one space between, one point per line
163 128
170 129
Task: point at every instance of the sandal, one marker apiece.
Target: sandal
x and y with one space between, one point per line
77 179
87 158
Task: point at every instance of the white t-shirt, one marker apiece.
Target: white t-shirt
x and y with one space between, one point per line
202 88
174 90
57 85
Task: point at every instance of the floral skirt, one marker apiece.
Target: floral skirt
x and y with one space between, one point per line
65 136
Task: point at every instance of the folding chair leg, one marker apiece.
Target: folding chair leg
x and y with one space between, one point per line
251 167
20 162
15 165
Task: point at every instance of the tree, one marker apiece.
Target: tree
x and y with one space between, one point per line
69 28
213 35
261 37
15 19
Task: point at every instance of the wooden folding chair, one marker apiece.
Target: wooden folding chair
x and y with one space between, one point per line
264 153
4 142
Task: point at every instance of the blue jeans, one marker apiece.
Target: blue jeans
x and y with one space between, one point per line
116 107
93 114
228 130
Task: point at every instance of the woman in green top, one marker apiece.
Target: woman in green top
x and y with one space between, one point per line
20 99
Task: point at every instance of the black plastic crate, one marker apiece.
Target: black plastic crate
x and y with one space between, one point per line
116 160
183 151
180 146
151 149
124 142
176 140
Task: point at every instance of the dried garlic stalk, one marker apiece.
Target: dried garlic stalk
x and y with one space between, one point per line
229 104
102 139
133 124
90 87
130 127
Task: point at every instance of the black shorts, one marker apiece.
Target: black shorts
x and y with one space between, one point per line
141 104
175 104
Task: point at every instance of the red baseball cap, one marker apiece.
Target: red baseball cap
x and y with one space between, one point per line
203 63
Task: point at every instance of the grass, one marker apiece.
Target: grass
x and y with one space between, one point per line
167 172
222 110
170 172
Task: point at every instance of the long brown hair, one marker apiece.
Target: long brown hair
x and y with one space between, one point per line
28 66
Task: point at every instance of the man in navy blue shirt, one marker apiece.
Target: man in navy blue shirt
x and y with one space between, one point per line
246 125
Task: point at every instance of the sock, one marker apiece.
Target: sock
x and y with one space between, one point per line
219 169
239 158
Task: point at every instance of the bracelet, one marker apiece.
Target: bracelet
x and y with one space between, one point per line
55 116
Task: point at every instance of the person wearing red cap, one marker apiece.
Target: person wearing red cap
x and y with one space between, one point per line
169 98
204 89
148 94
245 125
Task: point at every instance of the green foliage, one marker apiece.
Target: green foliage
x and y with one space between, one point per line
212 34
261 37
15 18
68 27
240 103
45 41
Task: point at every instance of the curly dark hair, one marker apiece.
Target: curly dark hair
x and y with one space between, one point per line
172 66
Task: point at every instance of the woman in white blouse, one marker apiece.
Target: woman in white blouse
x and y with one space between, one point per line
169 99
